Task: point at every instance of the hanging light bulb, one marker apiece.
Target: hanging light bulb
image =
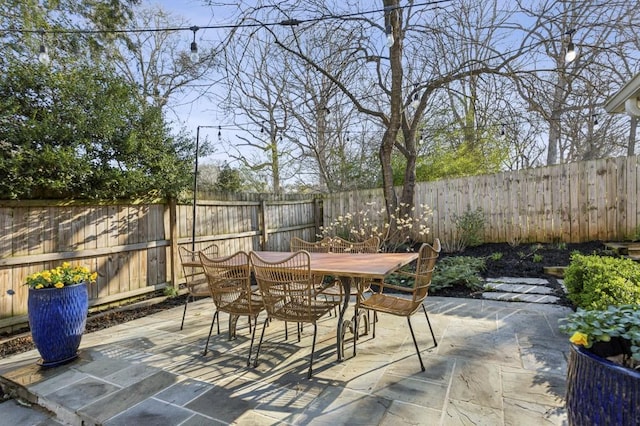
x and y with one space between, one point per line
421 140
43 55
194 46
262 128
416 98
219 133
502 131
390 39
596 123
327 112
571 53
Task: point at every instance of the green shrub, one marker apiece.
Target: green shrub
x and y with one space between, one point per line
596 282
456 271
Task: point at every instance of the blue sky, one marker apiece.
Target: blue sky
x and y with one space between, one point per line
193 113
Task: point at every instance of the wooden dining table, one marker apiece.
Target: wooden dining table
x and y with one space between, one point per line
346 266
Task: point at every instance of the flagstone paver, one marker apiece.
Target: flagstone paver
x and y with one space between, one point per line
495 363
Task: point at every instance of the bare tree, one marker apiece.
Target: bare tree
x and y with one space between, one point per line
567 95
158 61
413 68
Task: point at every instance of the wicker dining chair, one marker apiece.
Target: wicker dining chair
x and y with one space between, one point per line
407 306
288 292
359 287
195 280
322 246
229 281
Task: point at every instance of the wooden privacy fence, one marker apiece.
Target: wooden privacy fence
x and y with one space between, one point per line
133 246
576 202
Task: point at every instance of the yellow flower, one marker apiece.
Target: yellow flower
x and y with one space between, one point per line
39 286
59 285
580 339
66 265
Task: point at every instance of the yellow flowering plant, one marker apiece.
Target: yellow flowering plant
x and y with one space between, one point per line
587 328
61 276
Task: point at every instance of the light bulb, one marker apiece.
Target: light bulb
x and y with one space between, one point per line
43 56
415 102
571 53
194 52
390 40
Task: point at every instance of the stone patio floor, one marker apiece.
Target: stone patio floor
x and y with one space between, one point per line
496 363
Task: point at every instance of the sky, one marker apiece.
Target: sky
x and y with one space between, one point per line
191 112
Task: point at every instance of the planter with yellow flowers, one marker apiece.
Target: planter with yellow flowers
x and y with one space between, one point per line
58 304
603 379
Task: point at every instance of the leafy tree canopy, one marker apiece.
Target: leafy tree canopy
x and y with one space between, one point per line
79 132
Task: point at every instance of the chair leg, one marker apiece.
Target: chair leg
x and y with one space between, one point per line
255 361
313 348
206 347
186 302
253 336
375 320
415 343
435 343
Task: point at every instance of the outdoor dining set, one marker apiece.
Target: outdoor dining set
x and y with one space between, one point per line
312 280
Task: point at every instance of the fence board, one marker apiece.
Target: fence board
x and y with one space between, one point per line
129 245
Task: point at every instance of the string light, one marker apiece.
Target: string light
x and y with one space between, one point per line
219 133
571 54
194 46
43 55
390 39
388 27
416 98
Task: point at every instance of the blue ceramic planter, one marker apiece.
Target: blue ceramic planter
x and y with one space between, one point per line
600 392
57 317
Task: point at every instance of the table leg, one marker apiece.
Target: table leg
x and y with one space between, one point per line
346 288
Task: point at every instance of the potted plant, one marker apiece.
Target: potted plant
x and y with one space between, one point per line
603 379
58 304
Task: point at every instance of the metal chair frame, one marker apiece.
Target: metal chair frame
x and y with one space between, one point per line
195 279
401 306
229 281
287 288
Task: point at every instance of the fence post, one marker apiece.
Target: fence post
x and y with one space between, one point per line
317 214
263 224
173 237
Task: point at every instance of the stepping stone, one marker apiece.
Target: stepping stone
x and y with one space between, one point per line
519 280
518 288
517 297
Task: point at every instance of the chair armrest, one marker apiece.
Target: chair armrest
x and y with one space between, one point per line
383 284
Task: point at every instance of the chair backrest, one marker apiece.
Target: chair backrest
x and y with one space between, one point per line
340 245
229 278
195 275
427 257
283 283
322 246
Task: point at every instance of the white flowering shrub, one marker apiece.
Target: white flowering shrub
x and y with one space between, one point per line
409 227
